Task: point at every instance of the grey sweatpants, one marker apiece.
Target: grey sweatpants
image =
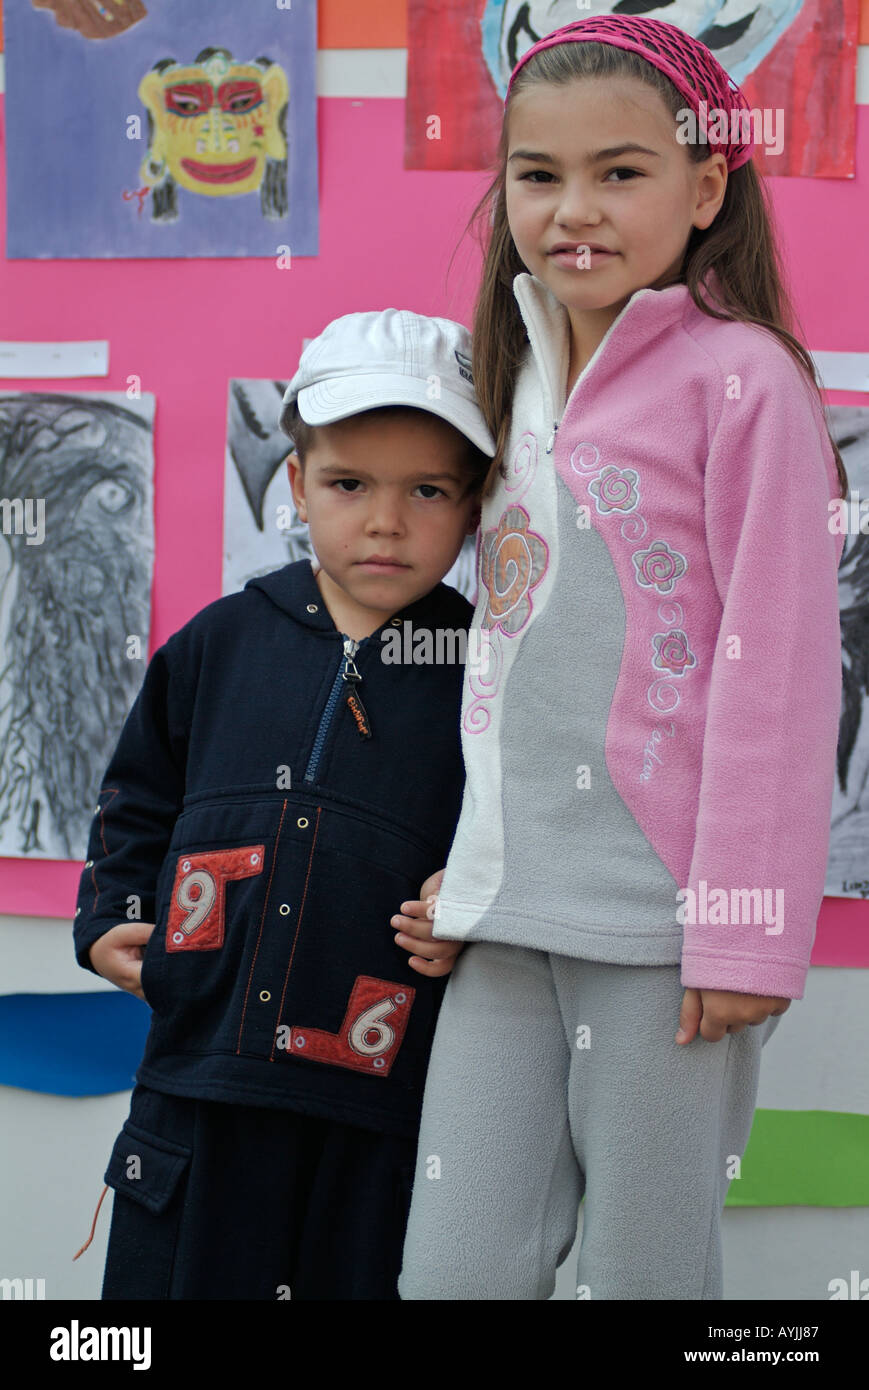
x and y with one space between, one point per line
551 1078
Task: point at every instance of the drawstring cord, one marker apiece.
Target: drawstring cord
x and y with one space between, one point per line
93 1225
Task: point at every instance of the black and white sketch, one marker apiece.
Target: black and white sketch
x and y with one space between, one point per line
76 559
848 864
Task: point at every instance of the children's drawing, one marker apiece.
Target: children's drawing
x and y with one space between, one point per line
95 19
794 59
216 127
261 528
848 864
739 32
194 133
76 558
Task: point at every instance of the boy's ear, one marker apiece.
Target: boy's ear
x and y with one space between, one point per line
297 484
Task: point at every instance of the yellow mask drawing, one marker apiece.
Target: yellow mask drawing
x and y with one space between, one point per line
216 127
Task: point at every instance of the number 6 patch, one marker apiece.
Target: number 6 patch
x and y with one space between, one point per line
198 907
369 1036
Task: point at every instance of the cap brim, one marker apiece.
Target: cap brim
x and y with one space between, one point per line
328 401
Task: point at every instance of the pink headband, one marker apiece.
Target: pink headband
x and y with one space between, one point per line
683 59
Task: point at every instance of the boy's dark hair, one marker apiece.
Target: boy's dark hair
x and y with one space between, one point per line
476 461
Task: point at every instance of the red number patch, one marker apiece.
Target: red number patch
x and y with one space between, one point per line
197 912
371 1033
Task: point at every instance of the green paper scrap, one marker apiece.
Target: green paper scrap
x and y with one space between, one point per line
804 1158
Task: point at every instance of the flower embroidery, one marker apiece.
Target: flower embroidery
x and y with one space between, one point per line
513 561
615 490
659 567
672 652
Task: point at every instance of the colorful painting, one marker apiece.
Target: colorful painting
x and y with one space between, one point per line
193 134
76 560
216 128
794 59
95 19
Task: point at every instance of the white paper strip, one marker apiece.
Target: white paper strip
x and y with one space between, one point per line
843 371
36 957
27 360
382 72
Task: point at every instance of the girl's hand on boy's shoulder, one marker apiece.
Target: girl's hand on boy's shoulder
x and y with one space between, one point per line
414 924
717 1012
117 955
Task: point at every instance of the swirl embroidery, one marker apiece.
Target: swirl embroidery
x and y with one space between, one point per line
658 567
615 490
513 561
672 652
522 467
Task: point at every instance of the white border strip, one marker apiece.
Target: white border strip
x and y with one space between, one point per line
382 72
20 361
843 371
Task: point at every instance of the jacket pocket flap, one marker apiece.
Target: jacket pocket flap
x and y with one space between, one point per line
146 1167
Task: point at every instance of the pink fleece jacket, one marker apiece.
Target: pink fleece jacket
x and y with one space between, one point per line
649 731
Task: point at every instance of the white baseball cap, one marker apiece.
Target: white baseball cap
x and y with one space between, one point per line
388 357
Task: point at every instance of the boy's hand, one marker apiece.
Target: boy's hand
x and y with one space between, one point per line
438 957
117 955
722 1011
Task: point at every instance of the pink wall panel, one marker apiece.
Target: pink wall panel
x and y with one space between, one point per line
387 235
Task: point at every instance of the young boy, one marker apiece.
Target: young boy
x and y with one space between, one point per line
280 787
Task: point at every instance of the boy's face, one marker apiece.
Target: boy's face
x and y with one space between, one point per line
380 489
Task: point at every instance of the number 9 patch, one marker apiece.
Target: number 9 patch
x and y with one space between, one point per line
198 908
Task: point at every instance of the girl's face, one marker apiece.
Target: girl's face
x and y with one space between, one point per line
597 163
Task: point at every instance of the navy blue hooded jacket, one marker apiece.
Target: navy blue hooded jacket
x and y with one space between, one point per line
270 817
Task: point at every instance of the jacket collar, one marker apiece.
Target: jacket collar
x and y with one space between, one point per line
548 325
294 590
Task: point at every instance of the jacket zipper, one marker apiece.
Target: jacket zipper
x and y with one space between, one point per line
352 697
531 329
346 672
540 361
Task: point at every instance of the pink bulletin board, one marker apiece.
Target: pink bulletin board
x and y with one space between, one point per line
387 235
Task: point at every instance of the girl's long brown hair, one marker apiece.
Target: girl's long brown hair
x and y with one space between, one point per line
740 246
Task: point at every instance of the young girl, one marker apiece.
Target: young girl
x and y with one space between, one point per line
651 744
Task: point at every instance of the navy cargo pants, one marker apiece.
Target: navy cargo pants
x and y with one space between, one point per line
220 1201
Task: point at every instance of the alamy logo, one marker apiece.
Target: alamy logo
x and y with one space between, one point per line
75 1343
22 1288
420 646
23 516
853 1288
764 125
740 907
